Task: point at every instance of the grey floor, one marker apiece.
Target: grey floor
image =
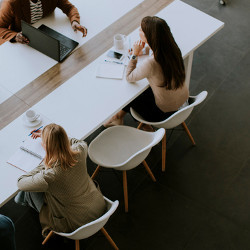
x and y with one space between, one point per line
202 201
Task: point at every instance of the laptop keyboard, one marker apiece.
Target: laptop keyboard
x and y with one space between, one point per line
63 50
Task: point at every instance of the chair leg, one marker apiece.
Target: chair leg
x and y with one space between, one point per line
140 125
188 132
109 238
163 148
149 170
125 190
77 243
47 238
96 172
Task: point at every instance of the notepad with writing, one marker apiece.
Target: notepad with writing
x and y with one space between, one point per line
29 155
110 70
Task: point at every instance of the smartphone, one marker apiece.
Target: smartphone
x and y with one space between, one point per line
115 55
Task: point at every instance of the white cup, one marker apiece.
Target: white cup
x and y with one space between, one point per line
31 115
119 41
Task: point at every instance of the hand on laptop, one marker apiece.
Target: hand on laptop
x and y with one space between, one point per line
76 26
19 38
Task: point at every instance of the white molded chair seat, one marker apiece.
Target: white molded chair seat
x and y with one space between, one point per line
92 227
123 148
173 121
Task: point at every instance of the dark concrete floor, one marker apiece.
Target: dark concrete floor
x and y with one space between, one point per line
202 200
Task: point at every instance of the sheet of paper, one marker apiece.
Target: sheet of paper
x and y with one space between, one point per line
110 70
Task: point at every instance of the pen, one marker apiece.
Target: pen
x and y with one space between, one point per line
113 62
35 131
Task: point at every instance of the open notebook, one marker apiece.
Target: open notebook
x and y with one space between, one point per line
110 70
29 155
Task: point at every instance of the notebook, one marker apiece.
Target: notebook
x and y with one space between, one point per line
48 41
110 70
29 155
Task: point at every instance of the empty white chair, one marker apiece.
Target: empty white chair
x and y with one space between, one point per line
123 148
91 228
173 121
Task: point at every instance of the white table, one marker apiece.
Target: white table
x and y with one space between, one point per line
84 102
26 64
23 64
94 100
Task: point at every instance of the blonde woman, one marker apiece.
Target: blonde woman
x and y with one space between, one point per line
60 188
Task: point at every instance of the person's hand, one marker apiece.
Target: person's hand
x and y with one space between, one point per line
137 48
130 51
36 134
76 26
20 38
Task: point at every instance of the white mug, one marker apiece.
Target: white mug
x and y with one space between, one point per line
119 41
31 115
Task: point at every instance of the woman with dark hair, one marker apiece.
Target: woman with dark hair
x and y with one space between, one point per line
164 71
60 188
13 11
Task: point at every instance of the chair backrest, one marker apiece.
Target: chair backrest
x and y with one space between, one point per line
91 228
123 147
178 117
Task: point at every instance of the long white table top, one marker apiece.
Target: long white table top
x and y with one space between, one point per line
93 100
84 102
22 64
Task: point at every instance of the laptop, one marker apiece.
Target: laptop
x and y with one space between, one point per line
48 41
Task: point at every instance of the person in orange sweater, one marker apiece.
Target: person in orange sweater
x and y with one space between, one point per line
13 11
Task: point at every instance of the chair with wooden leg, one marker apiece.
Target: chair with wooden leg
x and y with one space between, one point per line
173 121
123 148
91 228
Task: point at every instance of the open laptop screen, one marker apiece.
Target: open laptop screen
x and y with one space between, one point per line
41 41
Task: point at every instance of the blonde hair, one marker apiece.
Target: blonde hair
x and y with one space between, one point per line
57 147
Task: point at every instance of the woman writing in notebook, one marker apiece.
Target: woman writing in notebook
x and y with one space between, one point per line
60 188
13 11
164 70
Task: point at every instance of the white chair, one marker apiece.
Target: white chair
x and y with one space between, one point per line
91 228
123 148
173 121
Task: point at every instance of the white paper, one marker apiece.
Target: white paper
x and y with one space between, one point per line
110 70
25 160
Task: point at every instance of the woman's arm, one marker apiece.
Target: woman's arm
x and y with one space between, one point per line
33 181
137 73
134 73
69 9
6 18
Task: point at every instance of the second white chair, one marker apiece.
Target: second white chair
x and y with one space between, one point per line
123 148
173 121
